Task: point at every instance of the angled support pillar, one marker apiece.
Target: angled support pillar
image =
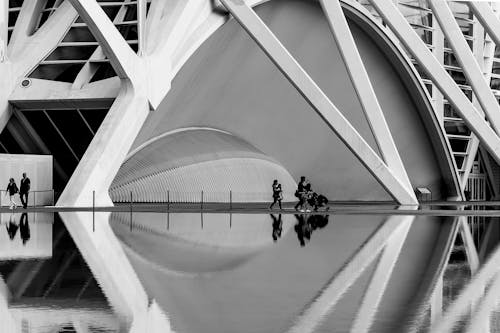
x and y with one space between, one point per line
472 149
489 172
378 283
440 77
106 152
471 68
364 89
257 29
312 315
88 70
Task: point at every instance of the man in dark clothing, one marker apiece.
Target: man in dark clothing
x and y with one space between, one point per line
24 190
300 193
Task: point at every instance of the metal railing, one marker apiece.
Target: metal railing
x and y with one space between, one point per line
35 198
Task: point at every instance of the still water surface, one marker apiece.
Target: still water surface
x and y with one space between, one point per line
239 273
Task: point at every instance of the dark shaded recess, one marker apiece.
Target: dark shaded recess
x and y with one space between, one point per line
458 253
73 129
57 72
94 117
13 147
43 18
111 11
76 281
79 34
104 71
72 53
458 145
53 141
10 143
13 18
15 3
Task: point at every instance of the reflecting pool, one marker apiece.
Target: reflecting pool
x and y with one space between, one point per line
214 272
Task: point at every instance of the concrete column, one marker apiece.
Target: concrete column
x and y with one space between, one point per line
107 151
116 276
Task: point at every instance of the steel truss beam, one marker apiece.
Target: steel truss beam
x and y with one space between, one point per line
363 87
297 76
468 63
410 39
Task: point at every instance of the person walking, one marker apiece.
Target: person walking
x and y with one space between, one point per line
277 194
299 193
24 190
11 191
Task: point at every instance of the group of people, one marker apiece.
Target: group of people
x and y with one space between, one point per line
23 191
308 199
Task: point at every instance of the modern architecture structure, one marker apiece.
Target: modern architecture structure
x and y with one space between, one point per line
372 100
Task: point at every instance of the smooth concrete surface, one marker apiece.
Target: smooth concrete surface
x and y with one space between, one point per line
230 84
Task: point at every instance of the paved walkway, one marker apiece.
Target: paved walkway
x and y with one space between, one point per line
443 208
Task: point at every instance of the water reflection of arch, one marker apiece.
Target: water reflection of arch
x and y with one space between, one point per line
196 243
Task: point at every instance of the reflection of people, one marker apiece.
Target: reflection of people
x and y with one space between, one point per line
277 226
302 229
24 189
12 227
11 191
306 225
24 228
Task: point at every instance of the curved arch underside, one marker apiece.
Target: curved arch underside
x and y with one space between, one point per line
230 84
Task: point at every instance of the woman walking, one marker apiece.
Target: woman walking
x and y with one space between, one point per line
277 194
11 191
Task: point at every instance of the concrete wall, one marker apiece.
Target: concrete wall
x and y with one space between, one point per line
230 84
38 169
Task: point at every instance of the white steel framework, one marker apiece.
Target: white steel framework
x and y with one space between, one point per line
168 32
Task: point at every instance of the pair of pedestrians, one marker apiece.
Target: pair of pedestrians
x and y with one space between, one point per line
12 190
